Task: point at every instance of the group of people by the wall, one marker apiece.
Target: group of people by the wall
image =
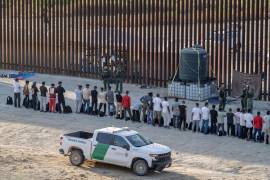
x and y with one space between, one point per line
151 110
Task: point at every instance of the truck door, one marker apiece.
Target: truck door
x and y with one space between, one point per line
120 151
101 147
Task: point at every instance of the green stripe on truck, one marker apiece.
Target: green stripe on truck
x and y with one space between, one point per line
100 151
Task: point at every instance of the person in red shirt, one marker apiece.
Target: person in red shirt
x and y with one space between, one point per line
257 124
126 103
52 94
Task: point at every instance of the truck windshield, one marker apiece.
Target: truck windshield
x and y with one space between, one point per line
138 141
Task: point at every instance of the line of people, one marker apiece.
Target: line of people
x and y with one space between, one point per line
151 110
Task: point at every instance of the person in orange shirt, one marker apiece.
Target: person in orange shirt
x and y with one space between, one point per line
126 103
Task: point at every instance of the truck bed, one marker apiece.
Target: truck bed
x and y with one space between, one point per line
81 134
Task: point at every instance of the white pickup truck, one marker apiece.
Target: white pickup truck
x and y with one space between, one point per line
118 146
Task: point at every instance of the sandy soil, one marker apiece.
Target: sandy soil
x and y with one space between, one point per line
29 143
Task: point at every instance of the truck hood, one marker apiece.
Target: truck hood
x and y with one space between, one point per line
154 149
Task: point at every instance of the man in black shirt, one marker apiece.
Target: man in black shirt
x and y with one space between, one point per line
213 115
34 96
61 99
230 125
94 95
183 115
43 100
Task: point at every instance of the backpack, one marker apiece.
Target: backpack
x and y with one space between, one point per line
9 100
26 103
190 126
101 114
67 109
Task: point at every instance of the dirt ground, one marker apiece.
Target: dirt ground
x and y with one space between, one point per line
29 143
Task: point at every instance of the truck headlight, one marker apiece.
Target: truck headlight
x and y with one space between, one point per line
153 155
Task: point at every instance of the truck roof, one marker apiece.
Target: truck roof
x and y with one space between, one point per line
124 131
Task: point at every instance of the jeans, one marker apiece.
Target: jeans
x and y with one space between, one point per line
182 120
230 129
43 103
129 113
176 121
111 108
104 106
196 124
34 101
78 105
149 117
86 106
17 99
94 105
205 126
243 132
237 130
61 101
259 131
213 127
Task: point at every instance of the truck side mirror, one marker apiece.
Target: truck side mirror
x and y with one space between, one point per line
126 147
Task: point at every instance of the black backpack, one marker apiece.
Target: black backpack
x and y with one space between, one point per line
67 109
9 100
26 103
101 114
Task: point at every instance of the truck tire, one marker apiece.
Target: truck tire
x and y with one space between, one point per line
76 157
140 167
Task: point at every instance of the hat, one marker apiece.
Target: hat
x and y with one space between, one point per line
60 82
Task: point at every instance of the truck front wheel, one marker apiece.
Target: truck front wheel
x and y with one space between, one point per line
140 167
76 157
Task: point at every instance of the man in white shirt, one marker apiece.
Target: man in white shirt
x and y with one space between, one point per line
157 109
102 100
196 117
205 118
78 98
237 122
17 93
249 124
266 127
166 112
86 98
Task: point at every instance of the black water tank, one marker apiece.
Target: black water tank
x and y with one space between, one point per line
190 64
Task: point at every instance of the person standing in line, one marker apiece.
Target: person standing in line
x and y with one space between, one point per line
157 110
52 98
214 116
221 117
176 113
144 100
150 109
166 113
86 98
230 123
17 93
35 96
126 102
119 107
110 100
266 127
243 124
237 122
43 97
183 116
205 118
26 93
61 98
102 96
249 124
78 98
257 124
94 97
196 116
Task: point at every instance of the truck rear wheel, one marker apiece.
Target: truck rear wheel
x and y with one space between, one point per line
76 157
140 167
